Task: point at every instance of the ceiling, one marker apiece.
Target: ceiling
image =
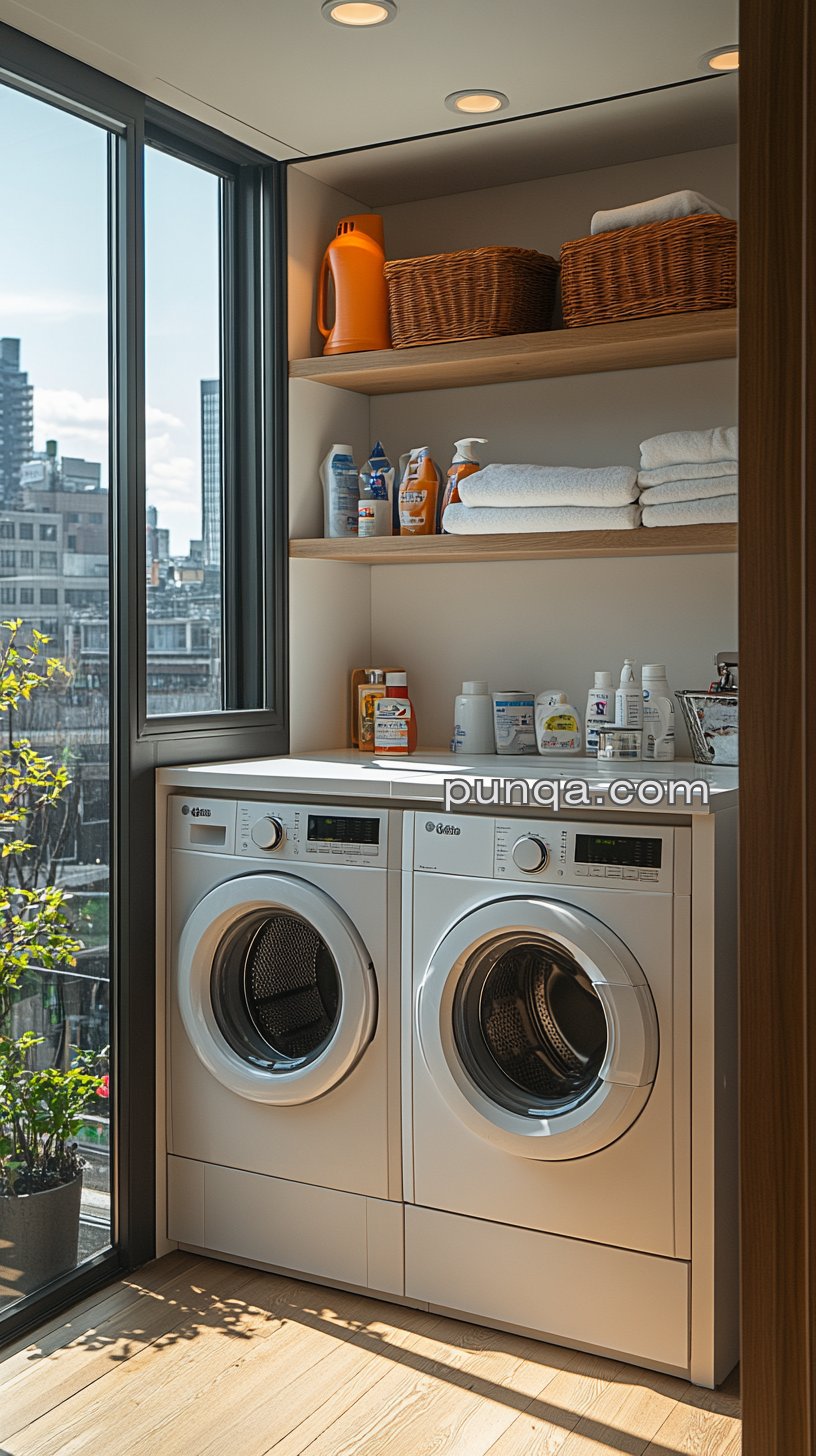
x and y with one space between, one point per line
274 73
661 123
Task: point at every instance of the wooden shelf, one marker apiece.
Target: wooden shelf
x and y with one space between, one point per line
423 550
639 344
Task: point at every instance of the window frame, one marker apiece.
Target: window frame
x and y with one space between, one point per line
138 746
253 431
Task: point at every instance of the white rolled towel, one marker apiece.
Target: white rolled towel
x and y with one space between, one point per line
462 520
702 470
655 209
690 447
718 508
689 490
550 485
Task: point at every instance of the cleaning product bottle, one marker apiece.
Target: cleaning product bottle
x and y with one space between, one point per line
355 261
600 708
464 463
376 491
368 695
658 714
557 723
629 699
338 473
473 720
418 493
395 727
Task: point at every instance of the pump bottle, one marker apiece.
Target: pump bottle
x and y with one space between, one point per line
464 464
629 699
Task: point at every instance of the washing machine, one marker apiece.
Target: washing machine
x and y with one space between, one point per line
548 1067
283 1082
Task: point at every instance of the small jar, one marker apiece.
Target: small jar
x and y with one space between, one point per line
617 743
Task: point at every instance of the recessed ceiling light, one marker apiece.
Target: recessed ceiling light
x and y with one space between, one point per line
476 103
359 12
724 58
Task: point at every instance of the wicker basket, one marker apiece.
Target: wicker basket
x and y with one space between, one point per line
475 294
685 265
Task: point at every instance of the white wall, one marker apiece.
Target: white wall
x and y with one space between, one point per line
534 624
329 603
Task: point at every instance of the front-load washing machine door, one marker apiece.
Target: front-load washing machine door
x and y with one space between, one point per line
538 1028
275 988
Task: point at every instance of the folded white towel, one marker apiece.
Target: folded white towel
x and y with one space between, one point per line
689 490
655 209
703 470
692 513
550 485
462 520
683 447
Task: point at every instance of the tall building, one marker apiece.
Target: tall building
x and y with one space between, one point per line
16 419
211 470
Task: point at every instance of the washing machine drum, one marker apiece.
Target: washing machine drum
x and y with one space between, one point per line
276 990
538 1026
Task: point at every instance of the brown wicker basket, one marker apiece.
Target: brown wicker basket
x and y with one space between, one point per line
682 266
475 294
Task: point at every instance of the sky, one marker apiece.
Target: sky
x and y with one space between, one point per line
53 296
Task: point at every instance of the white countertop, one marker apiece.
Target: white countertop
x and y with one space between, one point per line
421 779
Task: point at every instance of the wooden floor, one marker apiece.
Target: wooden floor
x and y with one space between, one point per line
194 1355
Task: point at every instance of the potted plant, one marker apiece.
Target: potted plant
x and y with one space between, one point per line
41 1108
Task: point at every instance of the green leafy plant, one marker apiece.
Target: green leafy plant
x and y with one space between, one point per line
41 1109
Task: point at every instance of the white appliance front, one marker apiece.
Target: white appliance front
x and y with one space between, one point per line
548 1028
283 1036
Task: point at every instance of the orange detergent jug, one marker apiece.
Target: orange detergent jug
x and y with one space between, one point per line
355 260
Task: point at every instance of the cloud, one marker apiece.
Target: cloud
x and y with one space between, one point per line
56 307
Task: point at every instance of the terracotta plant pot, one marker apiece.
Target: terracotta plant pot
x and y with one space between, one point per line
39 1236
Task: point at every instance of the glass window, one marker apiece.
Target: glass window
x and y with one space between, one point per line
54 393
183 227
7 558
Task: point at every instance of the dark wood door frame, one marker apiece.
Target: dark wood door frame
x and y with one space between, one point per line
778 724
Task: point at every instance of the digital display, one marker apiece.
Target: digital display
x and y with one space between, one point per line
605 849
333 829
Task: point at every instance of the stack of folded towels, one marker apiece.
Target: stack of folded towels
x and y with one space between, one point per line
655 209
522 498
689 478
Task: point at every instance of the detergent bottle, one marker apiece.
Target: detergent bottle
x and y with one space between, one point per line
355 261
464 463
418 496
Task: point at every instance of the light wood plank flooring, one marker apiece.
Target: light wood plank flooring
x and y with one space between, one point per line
199 1356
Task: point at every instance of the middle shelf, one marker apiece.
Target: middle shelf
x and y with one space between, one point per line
550 545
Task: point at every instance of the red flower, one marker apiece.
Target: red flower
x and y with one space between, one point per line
104 1089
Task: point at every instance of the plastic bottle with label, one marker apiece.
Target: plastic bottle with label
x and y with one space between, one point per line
658 714
600 709
473 720
395 726
418 496
557 723
464 464
629 698
341 494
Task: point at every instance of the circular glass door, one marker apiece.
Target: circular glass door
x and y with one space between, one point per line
275 988
538 1027
529 1026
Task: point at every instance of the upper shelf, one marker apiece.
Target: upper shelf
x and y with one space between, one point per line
425 550
639 344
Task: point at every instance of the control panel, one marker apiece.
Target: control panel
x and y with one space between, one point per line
616 856
279 832
311 833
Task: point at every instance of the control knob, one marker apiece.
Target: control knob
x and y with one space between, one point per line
268 833
530 853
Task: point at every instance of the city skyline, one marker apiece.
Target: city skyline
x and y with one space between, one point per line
56 164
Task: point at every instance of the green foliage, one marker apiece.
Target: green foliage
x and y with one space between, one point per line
41 1109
